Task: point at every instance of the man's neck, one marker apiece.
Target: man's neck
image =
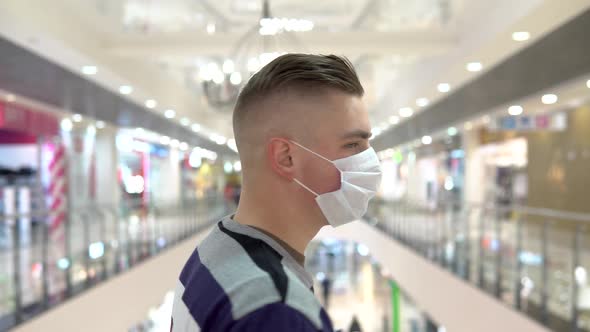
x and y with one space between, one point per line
276 217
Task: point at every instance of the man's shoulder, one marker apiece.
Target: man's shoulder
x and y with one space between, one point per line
249 301
245 276
222 266
278 316
222 278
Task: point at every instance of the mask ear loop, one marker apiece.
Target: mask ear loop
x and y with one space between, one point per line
306 187
319 155
308 150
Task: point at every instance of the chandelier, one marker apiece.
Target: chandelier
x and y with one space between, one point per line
222 79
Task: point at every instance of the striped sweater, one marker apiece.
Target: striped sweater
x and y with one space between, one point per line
240 279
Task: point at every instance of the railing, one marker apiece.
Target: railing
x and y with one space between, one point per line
535 260
42 267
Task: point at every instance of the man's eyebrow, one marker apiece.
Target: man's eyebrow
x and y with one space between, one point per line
357 134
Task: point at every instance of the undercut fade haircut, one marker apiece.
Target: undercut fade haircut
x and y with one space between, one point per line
300 72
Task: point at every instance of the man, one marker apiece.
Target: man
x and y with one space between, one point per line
303 132
326 291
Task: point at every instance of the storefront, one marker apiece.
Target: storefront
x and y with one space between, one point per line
501 172
427 174
30 171
146 171
502 156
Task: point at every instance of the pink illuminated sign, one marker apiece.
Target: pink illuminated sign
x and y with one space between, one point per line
18 118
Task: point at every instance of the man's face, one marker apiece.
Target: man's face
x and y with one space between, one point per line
336 126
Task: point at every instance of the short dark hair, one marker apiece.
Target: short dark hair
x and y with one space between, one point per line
299 71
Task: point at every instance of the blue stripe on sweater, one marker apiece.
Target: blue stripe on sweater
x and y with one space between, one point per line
204 297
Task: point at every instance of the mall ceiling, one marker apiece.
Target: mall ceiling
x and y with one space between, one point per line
561 56
27 74
402 49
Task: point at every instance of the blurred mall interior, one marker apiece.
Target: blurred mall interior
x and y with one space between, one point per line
117 156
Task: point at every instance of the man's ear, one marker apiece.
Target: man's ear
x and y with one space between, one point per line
280 158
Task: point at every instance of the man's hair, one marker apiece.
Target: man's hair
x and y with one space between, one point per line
300 72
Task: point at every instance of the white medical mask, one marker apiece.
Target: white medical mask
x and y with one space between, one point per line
360 176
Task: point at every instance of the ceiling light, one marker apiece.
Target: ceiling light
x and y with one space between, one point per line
581 275
150 103
515 110
91 130
218 77
267 31
394 119
486 119
474 66
588 84
422 102
549 99
100 124
235 78
444 87
125 89
174 143
212 68
228 66
218 139
521 35
205 73
272 26
196 127
77 118
406 112
10 98
228 167
170 114
165 140
426 140
89 70
185 122
452 131
139 131
183 146
211 28
238 166
375 132
468 126
66 125
231 143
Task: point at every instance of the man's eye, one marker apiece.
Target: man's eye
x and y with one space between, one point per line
352 145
